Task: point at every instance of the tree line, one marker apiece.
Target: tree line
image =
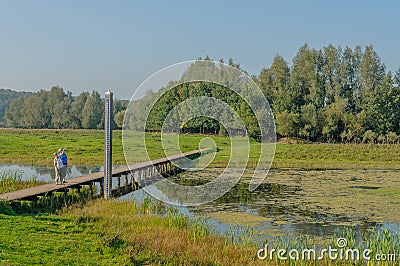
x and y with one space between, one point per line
185 105
328 95
6 97
58 109
334 95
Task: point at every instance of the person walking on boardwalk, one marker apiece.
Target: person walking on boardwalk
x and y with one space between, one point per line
64 159
58 165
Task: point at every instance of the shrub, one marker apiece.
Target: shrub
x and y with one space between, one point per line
391 137
5 208
369 136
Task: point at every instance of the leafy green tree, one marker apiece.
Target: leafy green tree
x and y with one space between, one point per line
330 59
371 74
6 97
287 124
58 109
334 119
353 127
304 78
310 122
14 116
61 116
275 83
118 106
92 111
383 107
34 111
119 118
348 76
77 109
330 94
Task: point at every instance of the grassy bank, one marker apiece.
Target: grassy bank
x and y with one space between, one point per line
109 232
86 147
12 180
106 232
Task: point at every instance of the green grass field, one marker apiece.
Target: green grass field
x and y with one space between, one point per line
105 232
115 233
87 146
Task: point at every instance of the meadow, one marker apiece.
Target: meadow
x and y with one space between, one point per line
85 147
108 232
104 232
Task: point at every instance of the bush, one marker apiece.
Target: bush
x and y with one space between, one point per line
5 208
369 136
391 137
382 139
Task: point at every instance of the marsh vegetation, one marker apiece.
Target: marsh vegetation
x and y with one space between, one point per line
314 194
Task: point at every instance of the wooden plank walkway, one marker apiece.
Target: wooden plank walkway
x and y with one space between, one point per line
77 182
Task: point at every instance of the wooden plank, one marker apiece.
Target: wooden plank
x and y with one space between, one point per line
87 179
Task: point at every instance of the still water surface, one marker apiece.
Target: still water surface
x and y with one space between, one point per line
46 173
289 203
297 202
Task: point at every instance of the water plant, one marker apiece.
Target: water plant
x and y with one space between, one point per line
51 203
12 180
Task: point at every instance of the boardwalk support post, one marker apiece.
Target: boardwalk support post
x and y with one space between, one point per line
91 189
108 145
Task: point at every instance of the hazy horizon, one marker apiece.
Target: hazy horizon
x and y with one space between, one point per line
100 45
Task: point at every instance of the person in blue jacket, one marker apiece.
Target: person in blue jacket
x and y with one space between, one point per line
64 158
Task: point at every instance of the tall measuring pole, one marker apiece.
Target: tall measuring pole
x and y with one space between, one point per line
108 145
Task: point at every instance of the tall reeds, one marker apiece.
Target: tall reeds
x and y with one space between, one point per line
12 180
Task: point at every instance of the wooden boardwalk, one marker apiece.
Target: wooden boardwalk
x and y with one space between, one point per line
132 173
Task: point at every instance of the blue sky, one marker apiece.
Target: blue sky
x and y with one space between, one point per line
116 45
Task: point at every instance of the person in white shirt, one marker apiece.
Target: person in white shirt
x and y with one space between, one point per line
58 165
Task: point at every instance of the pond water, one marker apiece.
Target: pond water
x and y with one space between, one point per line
298 202
290 202
46 173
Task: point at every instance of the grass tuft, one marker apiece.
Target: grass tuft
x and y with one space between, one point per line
12 180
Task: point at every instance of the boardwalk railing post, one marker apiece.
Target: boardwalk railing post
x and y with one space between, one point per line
108 145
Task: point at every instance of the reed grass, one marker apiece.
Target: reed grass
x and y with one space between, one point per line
126 233
49 203
12 180
380 242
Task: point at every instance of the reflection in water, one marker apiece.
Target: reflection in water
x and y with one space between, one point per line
89 169
46 173
294 203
